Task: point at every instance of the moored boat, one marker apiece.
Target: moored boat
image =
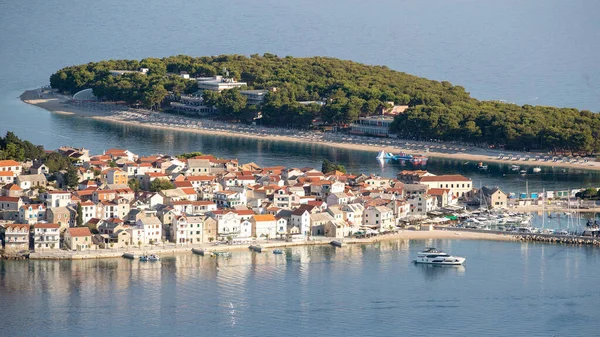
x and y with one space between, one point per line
151 257
438 257
225 254
277 251
537 169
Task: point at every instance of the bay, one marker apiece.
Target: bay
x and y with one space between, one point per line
504 289
526 52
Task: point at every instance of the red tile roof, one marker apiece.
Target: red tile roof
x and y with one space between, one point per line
5 163
46 225
79 231
450 178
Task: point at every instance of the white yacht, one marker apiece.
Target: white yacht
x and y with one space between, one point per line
437 257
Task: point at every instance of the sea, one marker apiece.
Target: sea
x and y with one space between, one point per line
525 52
503 289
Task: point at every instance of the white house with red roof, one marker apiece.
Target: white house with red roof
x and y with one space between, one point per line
16 237
32 213
56 198
11 165
7 177
115 154
46 236
456 182
229 199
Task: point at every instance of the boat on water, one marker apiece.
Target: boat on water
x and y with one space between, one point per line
225 254
151 257
437 257
402 156
277 251
482 166
537 169
515 167
523 172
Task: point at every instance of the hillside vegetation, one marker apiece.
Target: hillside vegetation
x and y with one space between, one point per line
438 110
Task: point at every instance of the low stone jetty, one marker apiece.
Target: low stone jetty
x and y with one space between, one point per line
565 239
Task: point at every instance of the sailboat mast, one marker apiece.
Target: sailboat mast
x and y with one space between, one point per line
544 208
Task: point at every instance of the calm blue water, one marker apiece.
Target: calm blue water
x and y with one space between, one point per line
527 52
505 289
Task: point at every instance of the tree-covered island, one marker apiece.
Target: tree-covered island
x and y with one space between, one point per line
338 92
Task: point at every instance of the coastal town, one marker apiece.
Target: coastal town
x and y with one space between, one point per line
122 200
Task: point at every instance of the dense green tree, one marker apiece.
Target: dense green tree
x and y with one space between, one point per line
79 218
189 155
71 177
158 185
231 103
56 162
134 184
438 110
328 166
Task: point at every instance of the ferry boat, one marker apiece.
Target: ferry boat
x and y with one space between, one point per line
437 257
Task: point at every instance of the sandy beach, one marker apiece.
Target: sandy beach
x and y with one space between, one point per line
56 103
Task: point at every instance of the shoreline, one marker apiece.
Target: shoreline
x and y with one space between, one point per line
268 246
54 103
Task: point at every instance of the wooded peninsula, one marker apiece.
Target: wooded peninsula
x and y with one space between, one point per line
338 92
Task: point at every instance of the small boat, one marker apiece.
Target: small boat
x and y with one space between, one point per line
481 166
523 172
225 254
151 257
537 169
515 167
438 257
277 251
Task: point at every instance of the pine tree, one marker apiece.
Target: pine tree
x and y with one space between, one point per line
79 218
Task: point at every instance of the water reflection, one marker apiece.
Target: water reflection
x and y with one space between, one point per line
434 272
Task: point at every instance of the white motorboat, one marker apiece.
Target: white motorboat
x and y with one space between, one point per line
537 169
437 257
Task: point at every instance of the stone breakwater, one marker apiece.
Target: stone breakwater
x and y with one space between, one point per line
572 240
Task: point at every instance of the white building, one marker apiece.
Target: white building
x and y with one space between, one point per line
57 198
188 230
148 230
46 236
218 83
456 182
16 237
379 217
373 125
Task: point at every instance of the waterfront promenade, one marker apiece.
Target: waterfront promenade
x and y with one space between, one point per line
56 103
170 248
